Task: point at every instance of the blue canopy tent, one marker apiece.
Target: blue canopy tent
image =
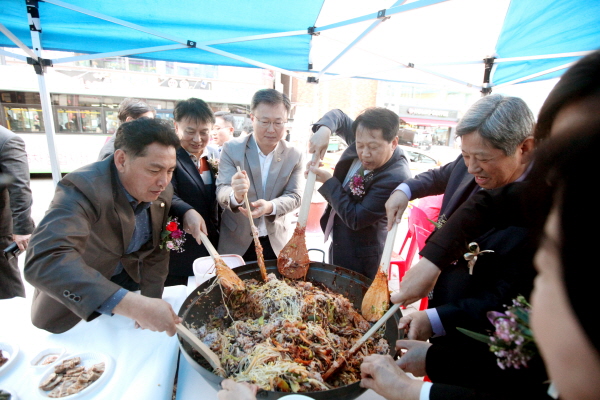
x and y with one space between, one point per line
475 43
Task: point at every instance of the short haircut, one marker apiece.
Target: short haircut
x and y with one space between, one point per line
135 136
504 122
379 118
226 116
580 81
195 110
133 108
271 97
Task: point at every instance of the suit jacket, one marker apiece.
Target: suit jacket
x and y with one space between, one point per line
190 192
15 208
283 188
359 226
75 249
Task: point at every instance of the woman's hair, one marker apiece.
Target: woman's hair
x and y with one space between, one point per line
565 172
579 81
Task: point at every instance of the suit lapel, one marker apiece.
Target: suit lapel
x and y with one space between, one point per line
123 211
275 169
462 192
157 212
190 168
253 162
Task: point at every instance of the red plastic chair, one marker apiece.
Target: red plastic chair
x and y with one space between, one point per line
419 229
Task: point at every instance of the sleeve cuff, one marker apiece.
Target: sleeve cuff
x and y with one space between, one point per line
232 201
425 389
274 208
111 303
405 188
436 322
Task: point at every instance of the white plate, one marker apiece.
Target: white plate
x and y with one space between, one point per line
88 359
10 351
13 396
36 361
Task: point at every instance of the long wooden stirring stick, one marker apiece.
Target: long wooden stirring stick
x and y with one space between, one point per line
293 261
259 251
200 347
377 298
228 279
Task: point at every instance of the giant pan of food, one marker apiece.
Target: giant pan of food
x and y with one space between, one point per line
284 334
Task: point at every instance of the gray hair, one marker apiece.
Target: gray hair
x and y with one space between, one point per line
226 116
271 97
504 122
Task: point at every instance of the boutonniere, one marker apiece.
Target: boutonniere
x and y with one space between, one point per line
512 341
358 181
172 237
213 163
440 222
472 255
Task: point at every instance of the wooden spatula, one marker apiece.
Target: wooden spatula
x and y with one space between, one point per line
230 282
293 261
341 360
200 347
260 259
377 299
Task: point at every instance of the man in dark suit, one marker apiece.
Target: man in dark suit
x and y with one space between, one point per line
193 185
355 216
100 239
16 224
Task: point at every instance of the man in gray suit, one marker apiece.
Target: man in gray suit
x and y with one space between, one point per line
271 176
16 224
100 239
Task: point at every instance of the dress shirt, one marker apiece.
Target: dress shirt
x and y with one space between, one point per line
142 232
206 178
265 164
425 389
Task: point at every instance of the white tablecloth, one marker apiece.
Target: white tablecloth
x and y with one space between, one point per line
144 361
192 386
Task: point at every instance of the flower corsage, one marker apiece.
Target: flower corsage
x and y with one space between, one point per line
172 237
358 181
512 342
213 164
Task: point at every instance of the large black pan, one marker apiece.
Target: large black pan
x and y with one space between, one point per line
196 310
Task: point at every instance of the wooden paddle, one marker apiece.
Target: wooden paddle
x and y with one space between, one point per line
377 298
230 282
341 360
200 347
260 259
293 260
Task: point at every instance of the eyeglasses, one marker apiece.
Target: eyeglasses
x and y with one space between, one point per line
266 124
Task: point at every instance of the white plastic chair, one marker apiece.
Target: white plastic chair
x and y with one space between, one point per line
204 267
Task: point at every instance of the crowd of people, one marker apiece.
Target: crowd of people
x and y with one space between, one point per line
515 191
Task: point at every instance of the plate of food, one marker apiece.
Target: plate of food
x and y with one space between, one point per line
8 354
47 357
76 375
7 395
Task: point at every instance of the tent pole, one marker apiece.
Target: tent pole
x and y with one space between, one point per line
487 89
40 69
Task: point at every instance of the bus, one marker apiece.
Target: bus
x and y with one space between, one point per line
83 123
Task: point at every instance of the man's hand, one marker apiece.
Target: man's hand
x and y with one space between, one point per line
193 223
319 141
154 314
260 207
418 281
413 360
322 175
418 326
240 184
394 207
233 390
22 241
381 374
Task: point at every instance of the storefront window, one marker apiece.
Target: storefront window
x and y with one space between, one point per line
24 119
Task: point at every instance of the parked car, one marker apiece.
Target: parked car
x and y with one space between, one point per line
420 161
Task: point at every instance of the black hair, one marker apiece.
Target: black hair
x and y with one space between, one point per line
378 118
226 116
133 108
135 136
580 81
271 97
195 110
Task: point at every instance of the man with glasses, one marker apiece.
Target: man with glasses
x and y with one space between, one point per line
271 176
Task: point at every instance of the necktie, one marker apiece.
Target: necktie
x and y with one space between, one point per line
204 170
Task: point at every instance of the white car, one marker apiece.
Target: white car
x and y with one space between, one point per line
419 160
